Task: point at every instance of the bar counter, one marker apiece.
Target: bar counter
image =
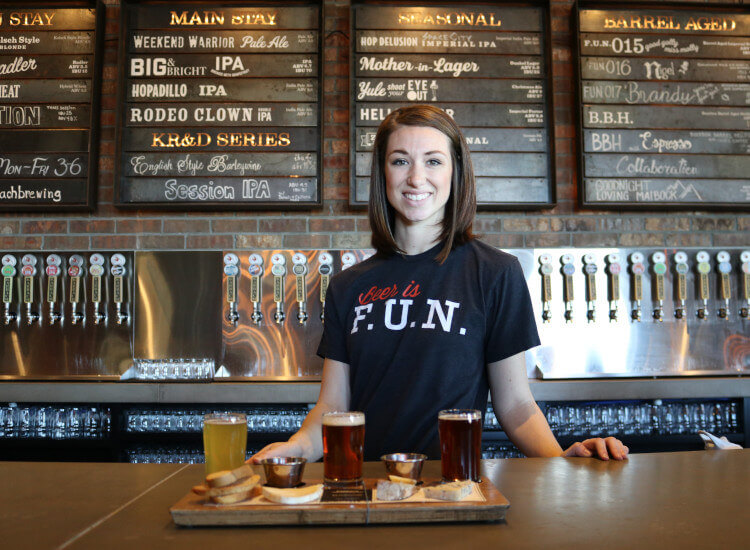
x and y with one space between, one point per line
694 499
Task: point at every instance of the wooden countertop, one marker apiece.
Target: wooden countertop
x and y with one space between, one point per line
667 500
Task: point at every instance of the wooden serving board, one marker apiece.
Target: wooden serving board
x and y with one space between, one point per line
193 511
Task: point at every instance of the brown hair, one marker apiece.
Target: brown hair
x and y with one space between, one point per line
462 202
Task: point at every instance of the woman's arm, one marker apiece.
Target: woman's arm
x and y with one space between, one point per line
308 441
523 421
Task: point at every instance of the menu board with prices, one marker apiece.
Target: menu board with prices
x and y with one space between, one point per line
487 65
50 76
220 106
664 97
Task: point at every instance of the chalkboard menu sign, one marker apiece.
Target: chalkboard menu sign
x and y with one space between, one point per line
50 74
664 106
220 105
486 65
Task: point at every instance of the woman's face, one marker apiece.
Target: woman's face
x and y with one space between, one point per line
418 171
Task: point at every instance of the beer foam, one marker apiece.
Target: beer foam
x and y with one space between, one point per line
344 419
225 421
459 416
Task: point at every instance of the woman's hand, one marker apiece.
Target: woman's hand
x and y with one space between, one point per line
598 447
281 448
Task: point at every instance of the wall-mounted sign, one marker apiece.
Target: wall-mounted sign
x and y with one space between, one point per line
486 65
50 74
664 105
220 106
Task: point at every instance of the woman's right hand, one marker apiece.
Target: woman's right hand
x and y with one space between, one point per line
280 448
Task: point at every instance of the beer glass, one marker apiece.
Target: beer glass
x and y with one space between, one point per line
460 443
343 447
224 441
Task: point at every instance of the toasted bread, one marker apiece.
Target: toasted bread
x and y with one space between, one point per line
243 486
299 495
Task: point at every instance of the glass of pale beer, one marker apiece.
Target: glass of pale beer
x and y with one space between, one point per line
460 443
224 441
343 447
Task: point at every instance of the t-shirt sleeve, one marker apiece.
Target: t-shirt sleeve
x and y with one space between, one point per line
333 341
511 327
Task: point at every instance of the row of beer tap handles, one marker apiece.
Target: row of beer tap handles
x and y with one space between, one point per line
279 270
76 271
637 270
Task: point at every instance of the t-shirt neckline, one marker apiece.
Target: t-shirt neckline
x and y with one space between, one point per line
422 256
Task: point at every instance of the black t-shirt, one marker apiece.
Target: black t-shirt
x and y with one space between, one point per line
418 335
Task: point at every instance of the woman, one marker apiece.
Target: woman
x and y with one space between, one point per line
435 318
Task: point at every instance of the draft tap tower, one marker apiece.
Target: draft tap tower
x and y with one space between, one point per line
546 270
704 292
568 269
590 269
53 270
232 270
681 270
278 270
724 268
637 269
9 273
659 265
613 284
325 269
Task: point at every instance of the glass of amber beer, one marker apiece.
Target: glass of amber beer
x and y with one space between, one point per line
460 443
224 441
343 447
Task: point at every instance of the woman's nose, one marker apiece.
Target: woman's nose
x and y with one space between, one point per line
416 176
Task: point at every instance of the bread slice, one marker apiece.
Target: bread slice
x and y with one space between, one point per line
389 490
453 491
243 471
220 479
244 487
300 495
232 499
399 479
200 489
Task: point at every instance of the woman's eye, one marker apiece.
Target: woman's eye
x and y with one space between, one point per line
398 162
434 162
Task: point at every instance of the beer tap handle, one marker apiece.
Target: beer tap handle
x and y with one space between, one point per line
658 260
28 271
299 268
613 272
118 270
637 269
546 270
97 271
255 269
232 270
8 272
724 267
703 268
325 269
568 269
745 268
278 270
75 272
590 269
53 272
681 270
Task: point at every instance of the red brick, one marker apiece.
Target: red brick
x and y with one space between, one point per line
211 242
641 239
260 242
238 225
44 226
664 223
595 239
185 226
732 239
688 239
58 242
282 225
487 224
304 241
526 224
713 224
503 240
319 225
113 242
20 243
350 240
92 226
9 227
161 242
544 240
139 225
743 224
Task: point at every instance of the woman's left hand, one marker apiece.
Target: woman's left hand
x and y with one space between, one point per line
602 448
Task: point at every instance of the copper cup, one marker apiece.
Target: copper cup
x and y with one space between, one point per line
407 465
283 471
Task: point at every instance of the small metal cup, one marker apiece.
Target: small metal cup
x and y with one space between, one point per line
404 464
283 471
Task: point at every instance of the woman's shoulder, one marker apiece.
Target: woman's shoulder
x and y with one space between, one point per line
487 256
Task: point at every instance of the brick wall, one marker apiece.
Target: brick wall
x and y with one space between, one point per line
336 225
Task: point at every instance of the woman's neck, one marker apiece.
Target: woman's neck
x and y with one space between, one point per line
416 238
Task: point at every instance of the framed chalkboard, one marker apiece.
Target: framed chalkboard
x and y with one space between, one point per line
220 106
664 105
487 64
50 80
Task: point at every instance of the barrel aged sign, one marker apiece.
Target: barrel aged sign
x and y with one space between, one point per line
50 73
664 106
485 65
220 106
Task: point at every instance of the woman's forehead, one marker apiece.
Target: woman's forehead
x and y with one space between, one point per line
418 139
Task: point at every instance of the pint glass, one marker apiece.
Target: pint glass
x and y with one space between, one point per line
460 443
343 447
224 441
